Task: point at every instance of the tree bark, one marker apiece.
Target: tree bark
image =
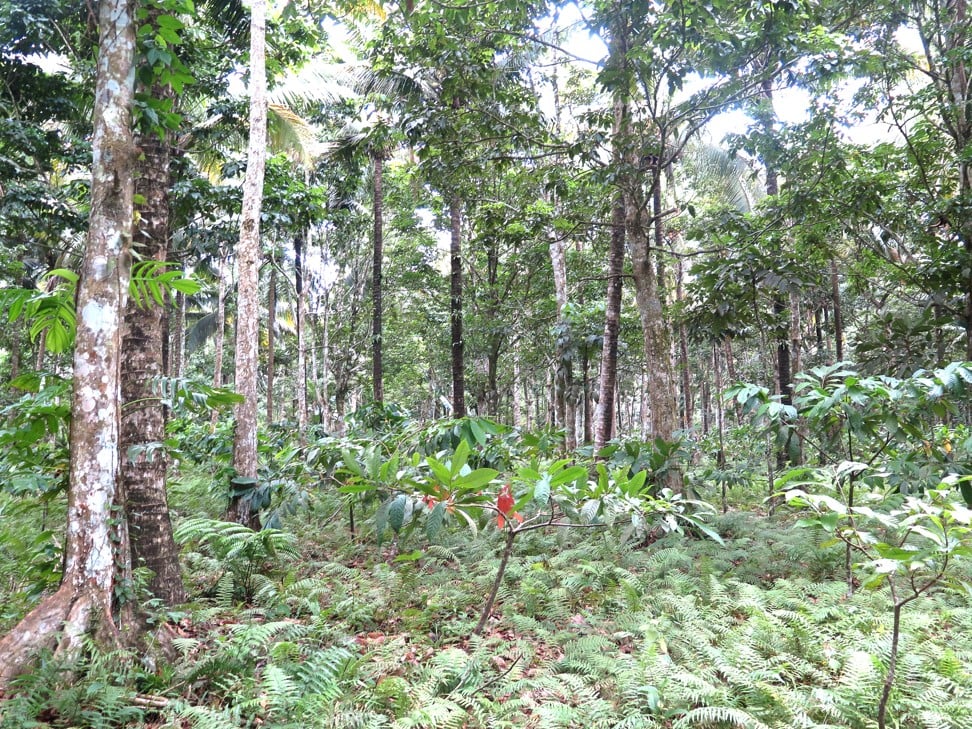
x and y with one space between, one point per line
271 338
563 374
299 242
378 389
455 308
607 386
248 268
143 416
688 410
516 402
82 603
220 341
177 338
661 379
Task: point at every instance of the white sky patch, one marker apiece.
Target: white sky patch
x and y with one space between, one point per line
51 63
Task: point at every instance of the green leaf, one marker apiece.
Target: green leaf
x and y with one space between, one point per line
459 458
477 431
442 474
410 556
475 480
434 521
568 475
396 512
541 491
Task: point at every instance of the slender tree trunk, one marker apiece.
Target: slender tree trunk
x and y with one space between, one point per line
301 378
688 413
720 419
82 604
378 390
323 388
271 338
455 309
516 402
838 313
586 391
492 373
562 364
177 337
143 416
220 340
248 266
608 384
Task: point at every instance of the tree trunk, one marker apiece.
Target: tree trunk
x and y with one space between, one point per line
248 270
516 402
661 380
688 412
563 374
143 416
492 374
220 341
82 604
177 338
271 338
838 313
455 309
586 392
301 378
377 260
607 387
323 393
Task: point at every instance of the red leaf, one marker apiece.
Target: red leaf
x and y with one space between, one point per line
505 500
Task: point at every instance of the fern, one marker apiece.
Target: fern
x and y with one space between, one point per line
718 715
181 715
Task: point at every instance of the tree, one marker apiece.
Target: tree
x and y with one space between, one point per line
82 604
143 465
248 270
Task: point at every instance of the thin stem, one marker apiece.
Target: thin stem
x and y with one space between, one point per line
488 607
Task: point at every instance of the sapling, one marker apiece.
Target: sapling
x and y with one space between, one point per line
541 489
912 554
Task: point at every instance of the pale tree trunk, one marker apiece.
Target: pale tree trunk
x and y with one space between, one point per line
271 338
607 386
248 269
377 261
82 604
516 402
563 376
220 342
143 416
661 379
455 308
688 411
322 389
177 337
299 242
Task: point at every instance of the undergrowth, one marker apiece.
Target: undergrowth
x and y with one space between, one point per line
588 632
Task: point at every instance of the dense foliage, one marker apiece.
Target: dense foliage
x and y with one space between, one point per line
607 365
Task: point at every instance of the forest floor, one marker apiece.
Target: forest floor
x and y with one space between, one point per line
319 629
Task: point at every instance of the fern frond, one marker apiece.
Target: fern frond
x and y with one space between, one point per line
708 715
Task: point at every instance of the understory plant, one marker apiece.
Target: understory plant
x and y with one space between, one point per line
905 544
